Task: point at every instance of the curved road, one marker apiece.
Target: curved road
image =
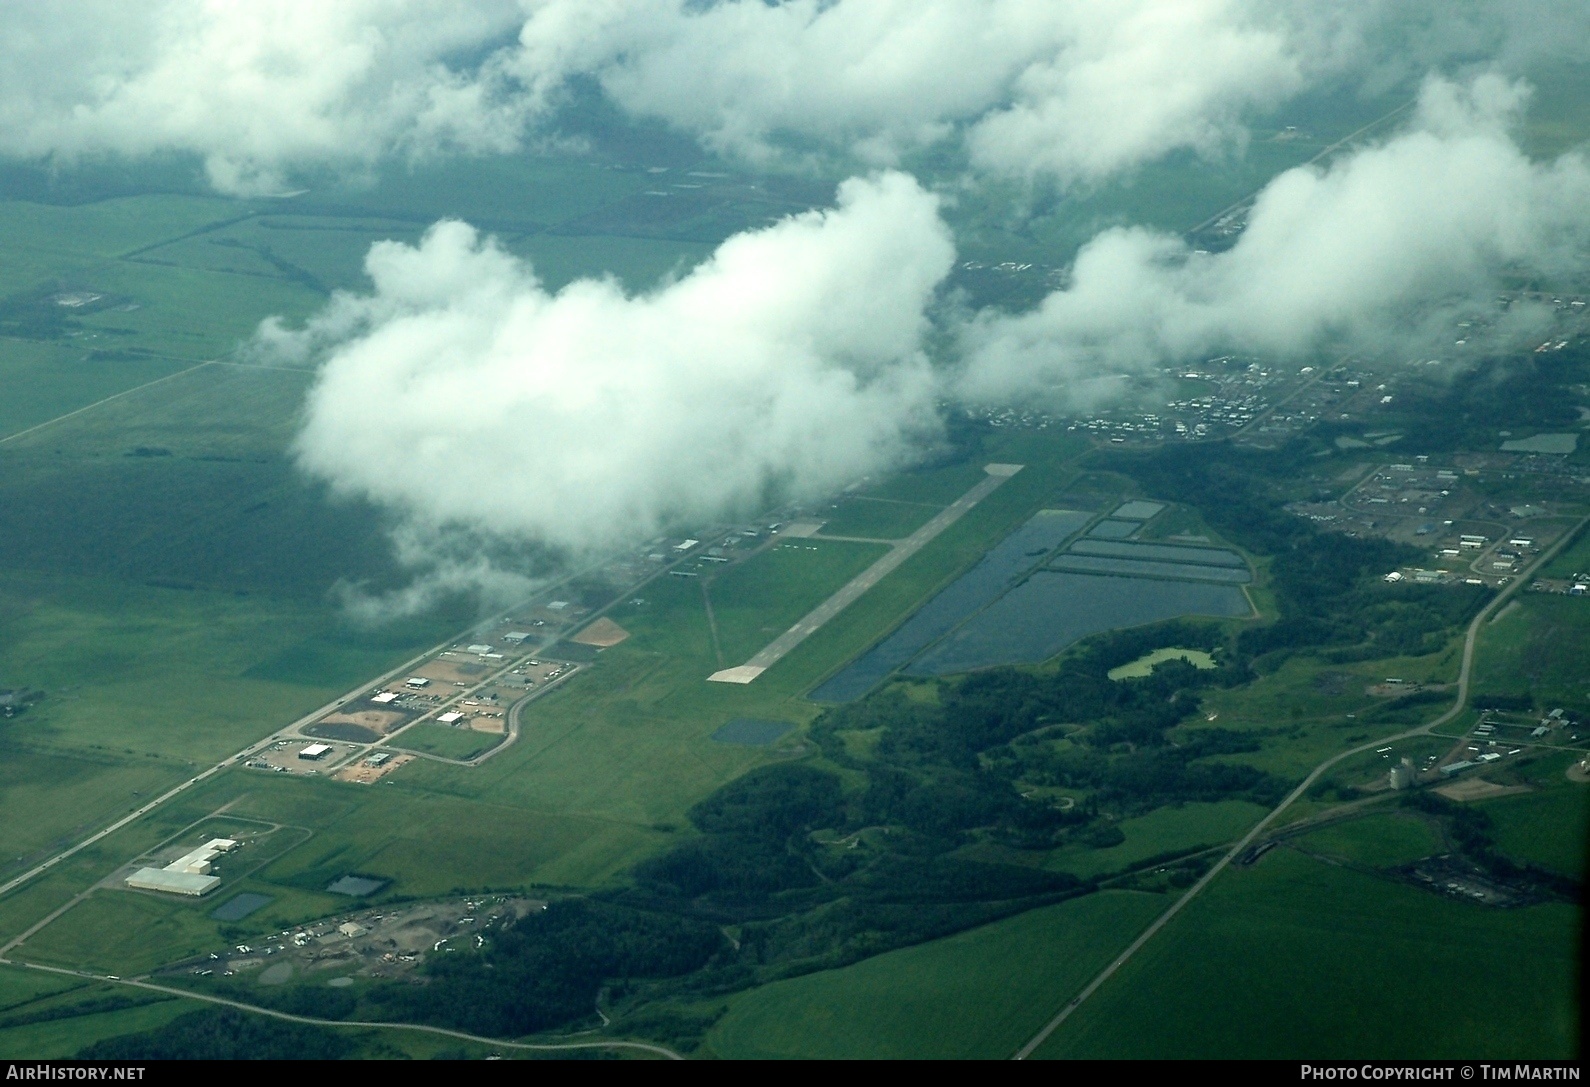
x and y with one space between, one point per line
1469 641
647 1047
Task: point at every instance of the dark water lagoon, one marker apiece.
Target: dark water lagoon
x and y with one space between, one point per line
1098 564
1138 510
1052 610
1202 556
241 906
974 590
1114 530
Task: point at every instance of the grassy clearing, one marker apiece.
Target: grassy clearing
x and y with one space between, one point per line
1298 959
1549 828
758 600
124 932
930 487
448 742
191 313
877 518
63 1037
71 242
1540 646
1381 840
1163 831
975 995
45 381
20 986
1144 666
1308 709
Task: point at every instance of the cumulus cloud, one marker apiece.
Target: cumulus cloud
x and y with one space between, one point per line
464 395
258 89
1072 89
1354 253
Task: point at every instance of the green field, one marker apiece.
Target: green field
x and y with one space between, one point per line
1539 646
1163 831
758 600
1379 841
446 741
1295 959
47 380
1550 828
975 995
1144 666
878 518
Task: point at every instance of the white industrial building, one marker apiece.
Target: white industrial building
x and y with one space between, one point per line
189 874
315 751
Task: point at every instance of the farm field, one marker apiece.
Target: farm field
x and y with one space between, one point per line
1380 841
47 380
976 995
1294 958
1539 646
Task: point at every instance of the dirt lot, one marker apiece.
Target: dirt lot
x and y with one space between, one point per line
454 668
378 721
386 942
363 773
1477 789
602 633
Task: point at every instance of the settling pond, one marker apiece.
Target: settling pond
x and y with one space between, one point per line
1023 603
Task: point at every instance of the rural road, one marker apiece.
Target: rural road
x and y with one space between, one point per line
344 1024
1464 674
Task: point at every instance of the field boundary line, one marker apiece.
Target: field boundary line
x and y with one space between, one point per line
114 396
347 1024
1470 639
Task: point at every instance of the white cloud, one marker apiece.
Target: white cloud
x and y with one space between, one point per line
257 89
1066 88
1355 253
1073 90
461 393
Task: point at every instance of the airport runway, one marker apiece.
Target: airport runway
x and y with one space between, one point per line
904 549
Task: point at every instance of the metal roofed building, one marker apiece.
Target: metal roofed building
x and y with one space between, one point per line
315 751
189 874
177 883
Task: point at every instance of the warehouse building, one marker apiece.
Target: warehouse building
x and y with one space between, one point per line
189 874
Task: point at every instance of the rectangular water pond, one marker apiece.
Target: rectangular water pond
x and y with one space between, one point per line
1138 510
1002 567
1202 556
1098 564
240 907
1053 610
1114 530
355 886
751 732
